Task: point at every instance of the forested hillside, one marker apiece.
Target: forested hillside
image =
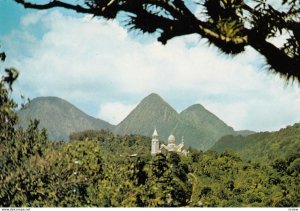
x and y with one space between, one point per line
264 146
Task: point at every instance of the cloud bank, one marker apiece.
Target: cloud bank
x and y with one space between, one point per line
104 71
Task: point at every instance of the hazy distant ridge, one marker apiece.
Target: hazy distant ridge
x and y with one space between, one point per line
200 128
59 117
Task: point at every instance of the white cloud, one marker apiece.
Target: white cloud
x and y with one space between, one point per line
32 18
114 112
93 63
265 112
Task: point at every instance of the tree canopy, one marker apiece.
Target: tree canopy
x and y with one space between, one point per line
231 25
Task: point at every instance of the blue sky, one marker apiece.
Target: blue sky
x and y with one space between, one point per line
100 68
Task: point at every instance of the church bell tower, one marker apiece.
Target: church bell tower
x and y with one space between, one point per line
155 143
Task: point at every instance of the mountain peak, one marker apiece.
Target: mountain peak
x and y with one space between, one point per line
152 111
155 102
153 97
199 126
59 117
199 117
198 109
195 107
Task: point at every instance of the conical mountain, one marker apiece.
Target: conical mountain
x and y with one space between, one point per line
152 112
199 127
211 127
59 117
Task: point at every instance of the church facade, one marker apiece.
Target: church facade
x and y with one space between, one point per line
156 148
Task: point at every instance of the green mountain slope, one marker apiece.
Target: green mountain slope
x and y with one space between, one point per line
211 127
151 112
264 146
200 128
59 117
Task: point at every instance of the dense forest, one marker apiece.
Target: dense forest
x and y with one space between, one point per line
263 146
100 169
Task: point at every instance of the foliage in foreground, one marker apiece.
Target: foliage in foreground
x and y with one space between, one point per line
105 172
99 169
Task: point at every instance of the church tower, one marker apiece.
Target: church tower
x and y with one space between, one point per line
155 143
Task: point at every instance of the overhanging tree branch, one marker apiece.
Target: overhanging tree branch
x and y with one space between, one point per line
53 4
225 24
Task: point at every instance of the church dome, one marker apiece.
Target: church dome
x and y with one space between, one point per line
171 139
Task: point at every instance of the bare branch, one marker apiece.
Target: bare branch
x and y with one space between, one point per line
54 3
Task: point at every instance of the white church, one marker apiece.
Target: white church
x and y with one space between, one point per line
171 147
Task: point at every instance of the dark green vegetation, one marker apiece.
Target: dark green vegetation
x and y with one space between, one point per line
101 169
265 146
59 117
200 128
230 25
